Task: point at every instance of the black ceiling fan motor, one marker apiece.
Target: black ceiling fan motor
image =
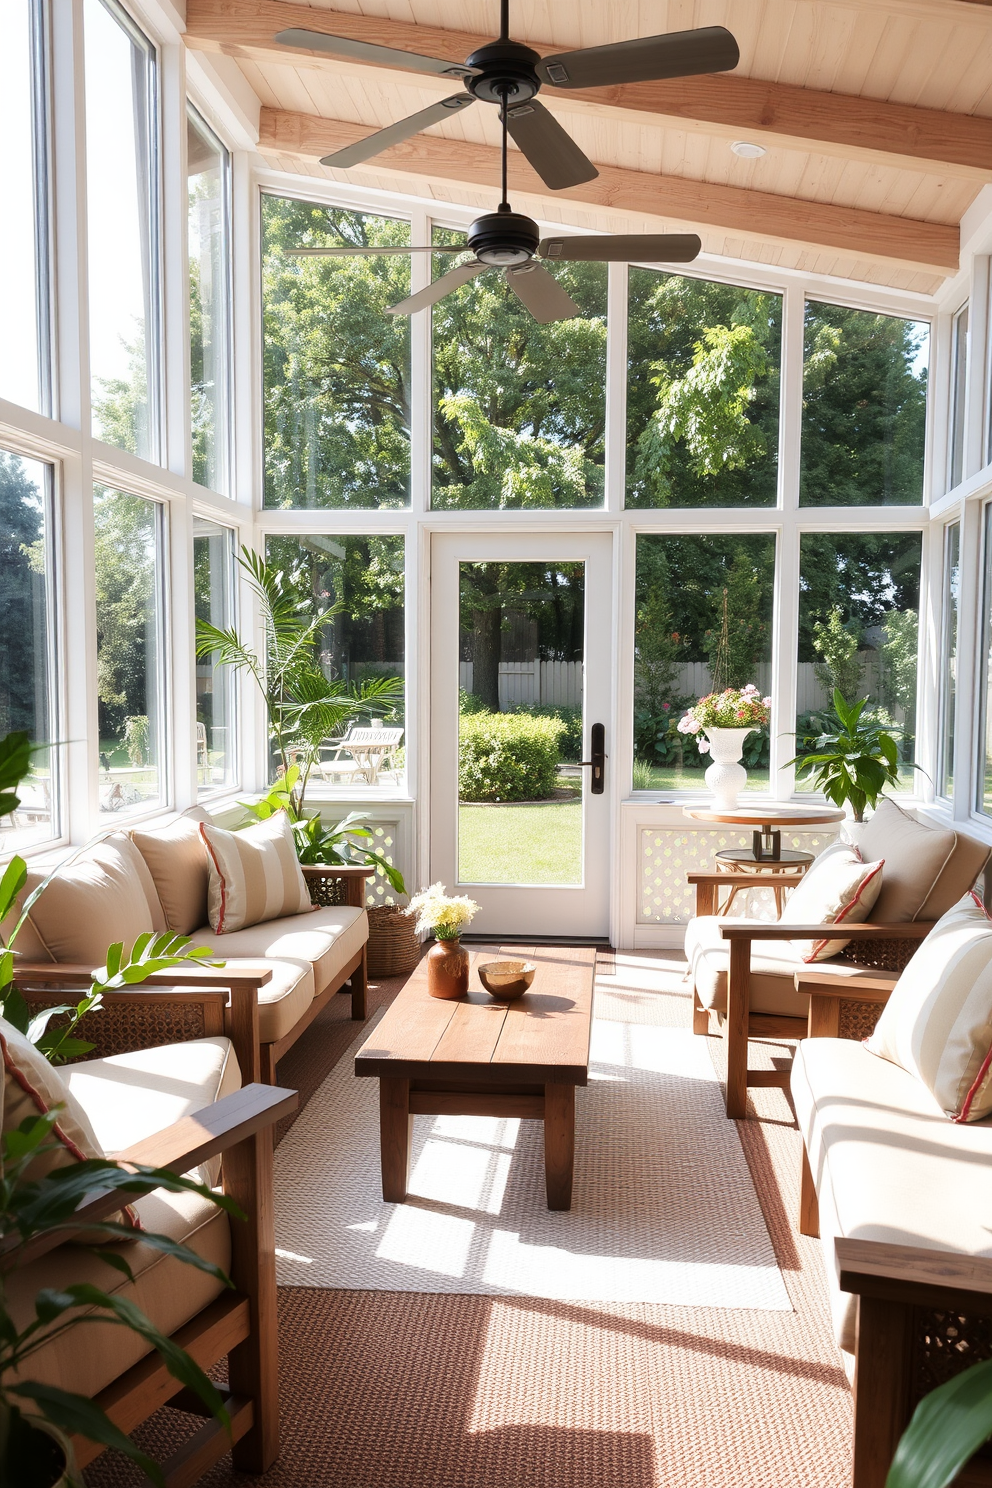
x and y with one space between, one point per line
504 238
507 70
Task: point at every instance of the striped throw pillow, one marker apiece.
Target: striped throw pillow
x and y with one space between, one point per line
255 874
838 887
938 1022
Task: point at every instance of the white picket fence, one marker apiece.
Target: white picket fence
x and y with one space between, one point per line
694 680
555 683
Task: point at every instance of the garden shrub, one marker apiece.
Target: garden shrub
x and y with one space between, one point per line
570 747
508 756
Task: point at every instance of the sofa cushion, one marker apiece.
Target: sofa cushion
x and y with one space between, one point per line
838 886
255 874
326 940
774 964
104 895
887 1164
178 863
167 1291
937 1024
927 869
128 1097
284 998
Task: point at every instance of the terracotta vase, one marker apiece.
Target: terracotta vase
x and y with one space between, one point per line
447 969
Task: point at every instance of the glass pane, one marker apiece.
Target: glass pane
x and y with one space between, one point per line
213 578
121 185
949 655
27 627
859 607
959 378
129 648
364 640
864 408
519 407
703 621
337 367
520 723
208 198
703 365
23 279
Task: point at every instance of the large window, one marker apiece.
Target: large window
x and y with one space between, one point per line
959 385
122 219
24 283
360 582
703 622
208 189
216 699
337 367
864 408
859 606
702 392
130 651
27 671
949 655
519 407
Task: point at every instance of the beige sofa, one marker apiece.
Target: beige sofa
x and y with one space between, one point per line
156 879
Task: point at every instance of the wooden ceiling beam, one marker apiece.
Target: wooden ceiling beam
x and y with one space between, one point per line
795 117
697 204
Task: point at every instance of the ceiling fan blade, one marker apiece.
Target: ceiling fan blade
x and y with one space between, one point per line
395 134
623 248
453 279
648 59
554 154
368 252
542 295
367 51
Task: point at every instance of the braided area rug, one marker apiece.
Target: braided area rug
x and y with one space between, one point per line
664 1209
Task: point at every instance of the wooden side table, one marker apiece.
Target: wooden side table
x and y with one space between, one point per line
767 823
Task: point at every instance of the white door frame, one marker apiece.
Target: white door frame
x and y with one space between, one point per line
582 910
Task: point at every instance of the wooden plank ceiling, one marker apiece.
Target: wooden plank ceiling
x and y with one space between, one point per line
876 116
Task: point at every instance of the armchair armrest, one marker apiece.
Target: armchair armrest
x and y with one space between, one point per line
910 1273
180 1147
844 1006
863 988
707 885
350 876
761 930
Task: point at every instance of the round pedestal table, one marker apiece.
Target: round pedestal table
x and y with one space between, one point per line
766 854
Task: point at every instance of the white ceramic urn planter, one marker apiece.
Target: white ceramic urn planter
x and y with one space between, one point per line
726 776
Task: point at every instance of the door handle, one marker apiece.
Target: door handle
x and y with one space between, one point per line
597 748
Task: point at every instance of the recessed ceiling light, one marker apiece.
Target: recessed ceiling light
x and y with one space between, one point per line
747 150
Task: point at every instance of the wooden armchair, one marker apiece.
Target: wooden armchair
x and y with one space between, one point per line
238 1324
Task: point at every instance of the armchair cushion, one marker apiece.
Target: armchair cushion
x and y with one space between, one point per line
105 894
838 886
774 964
325 941
938 1022
177 861
254 874
927 869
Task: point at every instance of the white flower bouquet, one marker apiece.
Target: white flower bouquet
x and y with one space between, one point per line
439 914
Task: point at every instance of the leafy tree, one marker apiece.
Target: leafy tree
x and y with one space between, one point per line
864 575
899 655
126 611
702 392
839 645
864 408
23 614
740 636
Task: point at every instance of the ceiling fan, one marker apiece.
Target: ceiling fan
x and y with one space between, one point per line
507 73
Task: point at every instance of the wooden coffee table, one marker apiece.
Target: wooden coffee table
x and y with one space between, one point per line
478 1057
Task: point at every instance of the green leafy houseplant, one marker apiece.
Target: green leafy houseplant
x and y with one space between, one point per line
316 843
852 760
947 1428
303 705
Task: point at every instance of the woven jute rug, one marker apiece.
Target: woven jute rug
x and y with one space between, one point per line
401 1389
650 1221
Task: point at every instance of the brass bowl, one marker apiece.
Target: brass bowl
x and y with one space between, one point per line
506 980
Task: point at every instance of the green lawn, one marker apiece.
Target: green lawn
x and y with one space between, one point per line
673 778
529 843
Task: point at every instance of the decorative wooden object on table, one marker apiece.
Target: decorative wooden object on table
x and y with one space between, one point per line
477 1057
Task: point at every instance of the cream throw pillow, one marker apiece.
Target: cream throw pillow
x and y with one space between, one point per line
177 861
837 887
105 894
255 875
938 1022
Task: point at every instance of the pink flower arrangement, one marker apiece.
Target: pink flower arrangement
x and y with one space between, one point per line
733 708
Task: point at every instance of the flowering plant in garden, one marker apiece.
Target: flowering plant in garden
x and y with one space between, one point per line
439 914
733 708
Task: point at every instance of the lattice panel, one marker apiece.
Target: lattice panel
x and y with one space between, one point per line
379 889
944 1343
666 855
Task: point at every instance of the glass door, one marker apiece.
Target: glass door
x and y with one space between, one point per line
520 728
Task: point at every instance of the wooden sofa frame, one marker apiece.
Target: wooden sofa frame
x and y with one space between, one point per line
740 1023
176 1018
240 1324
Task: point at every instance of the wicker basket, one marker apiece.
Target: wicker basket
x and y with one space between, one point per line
394 949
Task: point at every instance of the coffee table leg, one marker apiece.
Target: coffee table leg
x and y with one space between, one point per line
395 1129
559 1144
